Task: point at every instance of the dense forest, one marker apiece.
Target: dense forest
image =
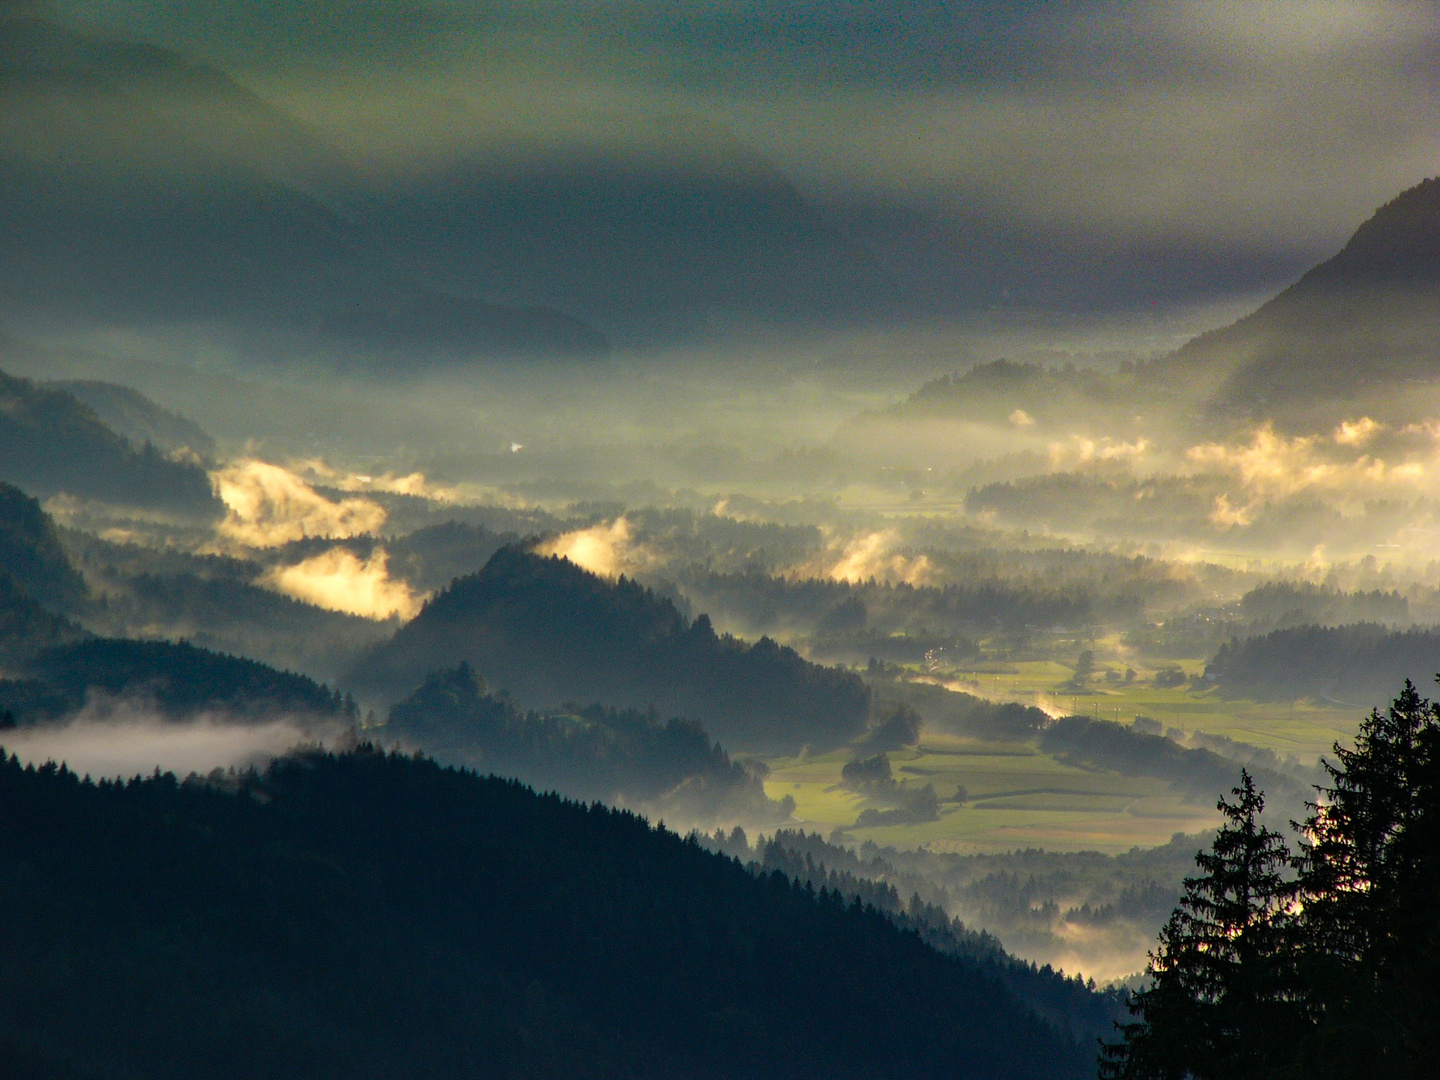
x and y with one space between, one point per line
1291 603
31 552
1317 963
371 915
26 627
50 442
763 603
1067 1002
623 757
1358 663
547 631
177 680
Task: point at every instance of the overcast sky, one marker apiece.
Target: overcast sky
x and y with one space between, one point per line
1272 126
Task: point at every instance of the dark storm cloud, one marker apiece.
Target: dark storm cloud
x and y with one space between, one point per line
1246 127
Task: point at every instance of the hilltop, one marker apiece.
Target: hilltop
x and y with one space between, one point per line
546 631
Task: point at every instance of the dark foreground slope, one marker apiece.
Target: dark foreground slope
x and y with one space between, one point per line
547 631
365 915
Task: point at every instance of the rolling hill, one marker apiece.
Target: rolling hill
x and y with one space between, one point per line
547 632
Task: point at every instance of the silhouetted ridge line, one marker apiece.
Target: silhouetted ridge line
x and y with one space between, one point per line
547 631
368 915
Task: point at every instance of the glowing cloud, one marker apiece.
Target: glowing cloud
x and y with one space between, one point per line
270 505
1357 432
412 483
607 550
1271 465
872 554
339 581
1083 450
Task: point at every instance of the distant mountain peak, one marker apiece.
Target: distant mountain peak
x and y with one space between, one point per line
1399 243
1369 317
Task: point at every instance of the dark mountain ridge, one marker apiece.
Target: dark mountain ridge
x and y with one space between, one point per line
1369 316
393 919
51 443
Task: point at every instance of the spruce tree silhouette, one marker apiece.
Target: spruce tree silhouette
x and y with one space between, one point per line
1224 1002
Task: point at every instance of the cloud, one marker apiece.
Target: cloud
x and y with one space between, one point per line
269 505
1359 462
339 581
605 549
1357 432
316 470
132 743
1083 450
867 555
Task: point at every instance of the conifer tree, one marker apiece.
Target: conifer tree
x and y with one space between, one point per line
1223 1002
1369 893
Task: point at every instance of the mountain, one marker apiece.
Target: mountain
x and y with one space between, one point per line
368 915
649 227
51 444
178 680
30 551
547 631
1366 319
143 188
27 628
133 416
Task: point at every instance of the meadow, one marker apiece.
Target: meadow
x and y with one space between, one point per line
1017 796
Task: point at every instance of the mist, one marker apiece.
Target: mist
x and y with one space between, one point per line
128 742
1042 398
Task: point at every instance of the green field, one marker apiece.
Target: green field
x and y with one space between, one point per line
1019 797
1306 728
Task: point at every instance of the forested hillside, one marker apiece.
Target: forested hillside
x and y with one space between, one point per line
547 631
178 679
365 915
618 756
1358 663
50 442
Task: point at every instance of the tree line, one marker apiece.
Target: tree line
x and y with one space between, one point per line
1315 963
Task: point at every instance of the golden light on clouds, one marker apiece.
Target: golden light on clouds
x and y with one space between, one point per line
268 505
339 580
607 549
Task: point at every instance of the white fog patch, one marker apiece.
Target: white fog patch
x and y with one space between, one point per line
605 549
339 580
131 743
1083 450
269 505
